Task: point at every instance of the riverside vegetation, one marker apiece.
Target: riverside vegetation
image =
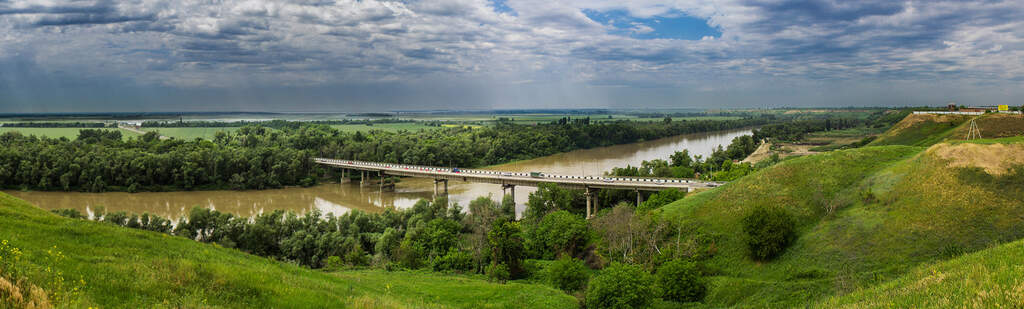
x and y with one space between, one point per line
259 157
852 227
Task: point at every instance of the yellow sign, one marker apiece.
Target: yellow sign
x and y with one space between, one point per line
1004 107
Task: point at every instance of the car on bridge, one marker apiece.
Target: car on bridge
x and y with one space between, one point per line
456 170
506 174
536 174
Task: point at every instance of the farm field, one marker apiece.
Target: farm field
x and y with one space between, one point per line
390 127
70 133
190 133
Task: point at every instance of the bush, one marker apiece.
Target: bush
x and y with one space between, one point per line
455 260
769 231
334 262
661 198
681 281
620 286
567 274
498 272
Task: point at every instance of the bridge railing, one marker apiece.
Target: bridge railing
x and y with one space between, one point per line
500 173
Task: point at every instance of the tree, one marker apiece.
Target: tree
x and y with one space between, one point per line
506 243
769 231
661 198
559 233
620 286
680 280
567 274
548 198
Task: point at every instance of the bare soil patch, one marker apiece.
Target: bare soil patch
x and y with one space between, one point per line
995 159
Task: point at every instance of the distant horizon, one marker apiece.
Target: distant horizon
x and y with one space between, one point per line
482 111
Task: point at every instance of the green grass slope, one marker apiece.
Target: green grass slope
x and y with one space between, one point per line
921 130
128 268
865 216
989 278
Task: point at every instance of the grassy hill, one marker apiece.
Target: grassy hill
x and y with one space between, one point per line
921 130
990 278
82 263
865 216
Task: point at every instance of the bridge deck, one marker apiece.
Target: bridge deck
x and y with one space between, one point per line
519 178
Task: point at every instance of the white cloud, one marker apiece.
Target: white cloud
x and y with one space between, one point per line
254 43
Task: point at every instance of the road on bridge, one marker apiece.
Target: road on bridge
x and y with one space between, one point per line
511 179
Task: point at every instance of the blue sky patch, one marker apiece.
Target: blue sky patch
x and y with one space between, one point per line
501 6
675 25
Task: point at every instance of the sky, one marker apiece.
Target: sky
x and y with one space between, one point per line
369 55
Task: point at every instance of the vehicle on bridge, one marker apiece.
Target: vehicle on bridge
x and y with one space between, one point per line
536 174
456 170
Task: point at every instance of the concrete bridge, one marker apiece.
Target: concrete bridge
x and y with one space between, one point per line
509 180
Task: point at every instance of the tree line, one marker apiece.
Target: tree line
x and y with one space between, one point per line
260 157
551 242
57 125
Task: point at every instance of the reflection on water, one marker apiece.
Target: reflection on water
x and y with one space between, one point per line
340 198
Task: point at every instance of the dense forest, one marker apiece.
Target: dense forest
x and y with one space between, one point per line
259 157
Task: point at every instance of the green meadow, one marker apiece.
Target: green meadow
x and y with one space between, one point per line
82 264
70 133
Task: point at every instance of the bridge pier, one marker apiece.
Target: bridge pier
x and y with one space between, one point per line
445 181
587 194
511 189
344 173
639 197
362 178
381 173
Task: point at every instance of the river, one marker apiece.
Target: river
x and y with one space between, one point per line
341 198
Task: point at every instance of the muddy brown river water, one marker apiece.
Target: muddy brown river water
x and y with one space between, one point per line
341 198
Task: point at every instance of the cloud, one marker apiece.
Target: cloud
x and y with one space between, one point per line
737 49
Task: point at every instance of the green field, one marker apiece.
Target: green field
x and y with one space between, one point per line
390 127
82 264
865 216
70 133
190 133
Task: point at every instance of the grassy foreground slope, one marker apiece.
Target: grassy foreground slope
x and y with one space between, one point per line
865 216
129 268
990 278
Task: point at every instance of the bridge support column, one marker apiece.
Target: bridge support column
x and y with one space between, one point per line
381 173
587 194
512 191
362 178
436 181
639 197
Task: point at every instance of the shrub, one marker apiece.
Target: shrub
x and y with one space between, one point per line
769 231
681 281
334 262
661 198
498 272
567 274
620 286
456 260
